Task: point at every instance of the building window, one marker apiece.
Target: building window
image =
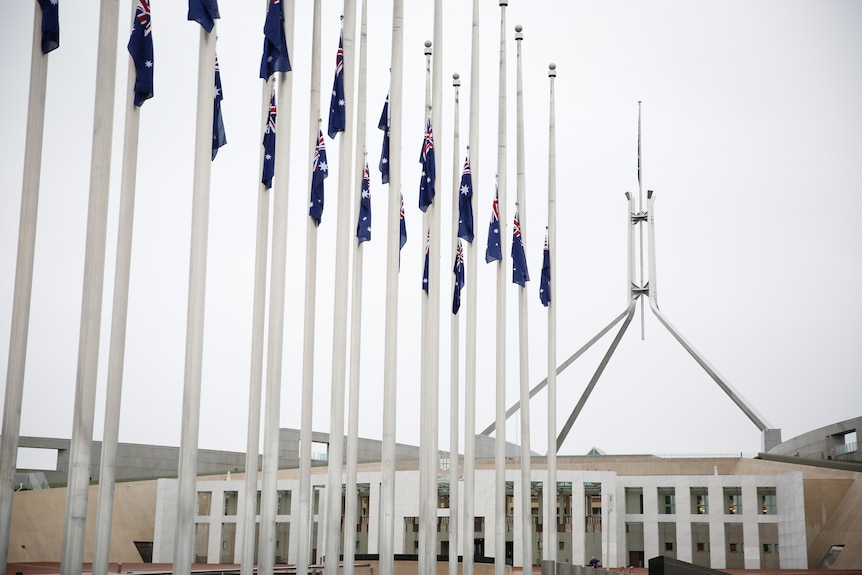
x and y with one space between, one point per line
768 500
701 546
668 545
667 500
283 502
699 501
231 499
733 501
204 502
634 500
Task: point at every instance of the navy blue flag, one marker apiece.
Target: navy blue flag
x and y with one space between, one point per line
545 281
50 25
219 138
141 50
427 258
493 251
426 158
459 278
403 236
363 224
465 204
269 145
319 171
204 12
520 275
383 124
337 116
275 57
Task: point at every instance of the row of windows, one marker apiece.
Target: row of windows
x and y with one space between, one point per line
699 500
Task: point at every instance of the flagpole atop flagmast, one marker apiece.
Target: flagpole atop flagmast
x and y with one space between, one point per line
91 307
350 511
390 344
523 336
471 310
500 444
454 348
23 283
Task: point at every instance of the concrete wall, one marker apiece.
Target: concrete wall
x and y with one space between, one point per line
825 443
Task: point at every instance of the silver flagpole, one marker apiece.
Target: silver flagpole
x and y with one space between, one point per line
550 529
642 277
471 281
91 305
275 342
188 463
502 266
523 336
116 356
23 284
350 507
339 328
305 523
390 344
454 348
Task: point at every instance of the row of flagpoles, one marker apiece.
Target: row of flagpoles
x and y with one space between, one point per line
276 101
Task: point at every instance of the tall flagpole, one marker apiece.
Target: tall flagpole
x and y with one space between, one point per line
551 488
470 279
91 306
350 508
339 328
116 357
306 426
23 284
523 341
454 349
641 228
500 444
275 342
390 344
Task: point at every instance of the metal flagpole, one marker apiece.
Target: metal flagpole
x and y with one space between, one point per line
91 306
640 228
23 284
502 266
550 530
390 344
116 357
184 537
350 510
275 340
454 350
471 307
305 522
523 335
339 328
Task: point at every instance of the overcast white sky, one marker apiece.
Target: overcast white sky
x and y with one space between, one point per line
751 141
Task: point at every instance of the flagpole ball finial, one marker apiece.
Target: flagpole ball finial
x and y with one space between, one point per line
456 79
552 70
504 2
427 47
649 194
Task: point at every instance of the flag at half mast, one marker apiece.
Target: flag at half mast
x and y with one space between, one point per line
50 25
204 12
465 204
275 57
337 115
269 145
427 262
520 275
319 172
493 251
383 124
545 280
429 170
459 277
219 137
140 48
363 223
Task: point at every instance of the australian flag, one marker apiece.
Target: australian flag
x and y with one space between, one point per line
403 234
219 138
363 225
427 262
465 204
493 251
459 278
204 12
520 275
337 119
275 57
269 146
426 158
383 124
141 49
50 25
319 171
545 281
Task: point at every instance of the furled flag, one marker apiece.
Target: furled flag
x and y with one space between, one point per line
493 251
204 12
319 171
50 25
337 115
141 49
427 262
363 224
219 138
403 235
426 158
520 275
383 124
275 57
545 280
459 278
269 145
465 204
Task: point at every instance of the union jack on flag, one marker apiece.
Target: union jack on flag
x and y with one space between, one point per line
426 158
269 145
493 251
459 278
520 275
319 172
140 48
337 115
